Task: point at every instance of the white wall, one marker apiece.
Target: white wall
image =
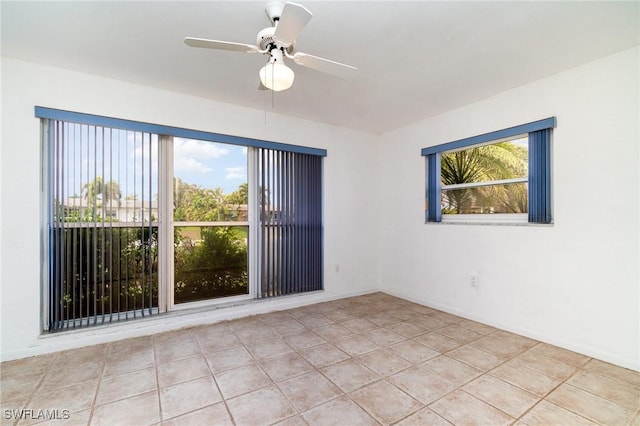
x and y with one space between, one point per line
574 284
348 219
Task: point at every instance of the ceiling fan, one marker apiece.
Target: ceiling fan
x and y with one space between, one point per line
278 42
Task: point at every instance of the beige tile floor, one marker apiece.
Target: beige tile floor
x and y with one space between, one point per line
365 360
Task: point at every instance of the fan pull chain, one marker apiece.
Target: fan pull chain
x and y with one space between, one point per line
273 79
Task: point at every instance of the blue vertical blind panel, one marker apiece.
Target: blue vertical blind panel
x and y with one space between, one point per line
290 235
540 176
99 270
434 212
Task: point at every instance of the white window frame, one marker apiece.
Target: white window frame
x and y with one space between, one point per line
167 164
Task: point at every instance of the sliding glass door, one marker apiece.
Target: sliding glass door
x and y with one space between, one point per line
140 219
210 221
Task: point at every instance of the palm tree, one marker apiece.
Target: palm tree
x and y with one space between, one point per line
107 190
195 203
503 160
240 195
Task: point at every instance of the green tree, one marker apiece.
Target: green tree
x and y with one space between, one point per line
503 160
209 261
98 193
194 203
237 202
240 195
97 189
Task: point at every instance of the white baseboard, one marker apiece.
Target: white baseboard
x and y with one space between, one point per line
171 321
523 331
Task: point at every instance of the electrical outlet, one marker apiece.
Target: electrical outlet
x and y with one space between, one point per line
473 280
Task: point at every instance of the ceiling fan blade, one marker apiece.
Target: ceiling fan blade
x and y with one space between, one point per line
336 69
293 19
220 45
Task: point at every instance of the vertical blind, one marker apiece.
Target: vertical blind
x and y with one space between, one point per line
433 210
290 210
540 176
102 229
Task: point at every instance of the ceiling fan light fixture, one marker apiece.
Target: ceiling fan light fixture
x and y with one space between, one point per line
276 76
278 41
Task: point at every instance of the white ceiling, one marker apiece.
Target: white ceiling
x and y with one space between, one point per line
416 59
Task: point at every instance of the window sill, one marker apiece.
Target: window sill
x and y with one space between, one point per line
488 219
478 223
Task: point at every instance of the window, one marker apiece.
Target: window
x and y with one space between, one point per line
141 219
487 179
502 176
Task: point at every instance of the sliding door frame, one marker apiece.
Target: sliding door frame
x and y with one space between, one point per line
165 223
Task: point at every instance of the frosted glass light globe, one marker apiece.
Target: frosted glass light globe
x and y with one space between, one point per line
276 76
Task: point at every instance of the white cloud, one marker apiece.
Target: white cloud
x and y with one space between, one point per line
190 165
198 149
236 173
189 153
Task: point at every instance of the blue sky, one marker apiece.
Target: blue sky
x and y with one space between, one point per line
210 165
125 157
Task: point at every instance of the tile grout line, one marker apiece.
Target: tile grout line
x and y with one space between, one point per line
275 383
257 363
206 360
544 398
357 360
484 373
155 370
518 387
318 370
585 391
37 387
381 377
92 407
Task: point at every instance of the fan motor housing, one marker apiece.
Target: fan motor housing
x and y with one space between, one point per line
265 40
